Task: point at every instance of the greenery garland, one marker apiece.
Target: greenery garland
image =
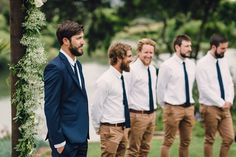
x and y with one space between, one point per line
29 86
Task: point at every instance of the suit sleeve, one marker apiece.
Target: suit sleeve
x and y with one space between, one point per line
53 82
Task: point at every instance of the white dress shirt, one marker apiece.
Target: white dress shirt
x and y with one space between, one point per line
108 101
137 80
208 84
171 81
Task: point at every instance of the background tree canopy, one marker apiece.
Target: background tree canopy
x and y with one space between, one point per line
162 20
104 18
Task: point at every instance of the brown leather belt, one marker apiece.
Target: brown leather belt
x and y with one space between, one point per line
115 125
182 105
141 112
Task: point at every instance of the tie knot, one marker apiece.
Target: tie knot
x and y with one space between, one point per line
122 77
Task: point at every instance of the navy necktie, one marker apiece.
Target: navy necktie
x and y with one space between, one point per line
125 102
151 104
222 91
76 74
187 102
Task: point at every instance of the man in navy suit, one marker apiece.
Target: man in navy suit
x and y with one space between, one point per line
66 102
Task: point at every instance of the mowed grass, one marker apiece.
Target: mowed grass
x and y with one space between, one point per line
196 148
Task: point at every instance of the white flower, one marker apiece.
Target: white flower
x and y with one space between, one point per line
39 3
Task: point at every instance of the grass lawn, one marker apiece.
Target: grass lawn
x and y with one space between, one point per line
196 148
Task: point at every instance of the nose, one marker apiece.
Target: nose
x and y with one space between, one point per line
150 55
83 41
131 59
190 48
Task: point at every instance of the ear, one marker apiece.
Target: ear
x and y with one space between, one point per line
177 47
213 47
66 41
119 60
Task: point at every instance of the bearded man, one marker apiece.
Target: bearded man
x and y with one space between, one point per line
110 113
66 101
174 93
216 91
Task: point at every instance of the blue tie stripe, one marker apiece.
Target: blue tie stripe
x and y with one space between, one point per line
187 102
76 74
222 91
125 102
151 104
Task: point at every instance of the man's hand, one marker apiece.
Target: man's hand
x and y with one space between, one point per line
98 131
227 105
60 149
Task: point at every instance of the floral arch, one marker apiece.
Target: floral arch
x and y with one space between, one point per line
29 85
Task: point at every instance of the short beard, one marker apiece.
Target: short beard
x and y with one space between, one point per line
125 67
218 55
74 50
184 55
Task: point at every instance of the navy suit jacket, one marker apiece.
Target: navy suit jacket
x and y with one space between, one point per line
66 104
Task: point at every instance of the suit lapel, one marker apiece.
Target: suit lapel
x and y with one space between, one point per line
69 69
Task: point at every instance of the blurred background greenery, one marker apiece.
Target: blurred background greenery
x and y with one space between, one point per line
129 20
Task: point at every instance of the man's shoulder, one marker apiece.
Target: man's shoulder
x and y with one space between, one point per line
56 60
104 78
202 61
55 63
191 62
167 63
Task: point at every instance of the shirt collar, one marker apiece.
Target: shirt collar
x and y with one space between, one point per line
71 61
140 63
212 58
115 72
178 59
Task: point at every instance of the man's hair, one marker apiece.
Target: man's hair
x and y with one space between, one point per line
217 39
67 29
117 50
178 40
146 41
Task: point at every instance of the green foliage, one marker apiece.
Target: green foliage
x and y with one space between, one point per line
159 120
29 86
4 44
226 11
103 19
198 130
4 54
104 24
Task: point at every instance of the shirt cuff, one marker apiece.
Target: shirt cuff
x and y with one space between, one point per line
60 144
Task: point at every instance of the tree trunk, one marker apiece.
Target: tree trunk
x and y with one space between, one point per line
17 51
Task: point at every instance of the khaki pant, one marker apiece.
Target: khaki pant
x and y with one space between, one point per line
177 118
217 119
141 133
113 141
